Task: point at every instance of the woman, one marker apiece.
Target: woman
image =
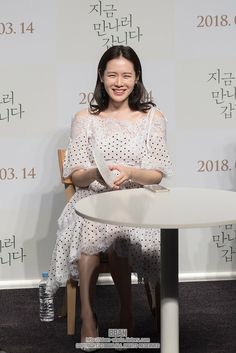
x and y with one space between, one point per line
130 133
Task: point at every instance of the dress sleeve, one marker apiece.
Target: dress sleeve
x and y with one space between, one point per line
156 155
78 153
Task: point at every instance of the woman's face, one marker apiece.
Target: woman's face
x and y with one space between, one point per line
119 79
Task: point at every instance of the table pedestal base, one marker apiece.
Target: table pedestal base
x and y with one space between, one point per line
169 291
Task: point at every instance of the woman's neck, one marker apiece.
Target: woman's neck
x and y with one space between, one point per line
114 107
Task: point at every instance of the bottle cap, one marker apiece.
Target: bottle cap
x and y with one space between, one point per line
44 274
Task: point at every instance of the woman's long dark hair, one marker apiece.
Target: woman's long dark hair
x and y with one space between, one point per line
138 99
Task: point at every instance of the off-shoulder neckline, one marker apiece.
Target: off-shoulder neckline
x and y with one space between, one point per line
141 118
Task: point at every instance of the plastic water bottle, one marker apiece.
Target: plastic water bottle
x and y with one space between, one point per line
46 306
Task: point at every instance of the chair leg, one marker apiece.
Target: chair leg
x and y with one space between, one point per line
153 296
71 306
150 297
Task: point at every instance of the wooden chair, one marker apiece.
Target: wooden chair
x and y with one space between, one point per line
69 301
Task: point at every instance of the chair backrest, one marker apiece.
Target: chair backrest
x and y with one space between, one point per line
68 183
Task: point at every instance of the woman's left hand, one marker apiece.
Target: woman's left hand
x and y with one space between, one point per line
123 177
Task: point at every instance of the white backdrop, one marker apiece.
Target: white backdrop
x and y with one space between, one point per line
49 53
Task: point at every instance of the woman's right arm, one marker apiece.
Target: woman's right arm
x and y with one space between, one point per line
84 177
78 159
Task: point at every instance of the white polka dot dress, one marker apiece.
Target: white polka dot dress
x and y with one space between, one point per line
138 143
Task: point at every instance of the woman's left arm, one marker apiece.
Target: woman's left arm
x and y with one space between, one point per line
155 162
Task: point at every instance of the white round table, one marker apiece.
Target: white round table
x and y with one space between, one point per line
169 211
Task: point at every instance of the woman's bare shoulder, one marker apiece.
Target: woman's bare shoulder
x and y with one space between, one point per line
158 114
84 113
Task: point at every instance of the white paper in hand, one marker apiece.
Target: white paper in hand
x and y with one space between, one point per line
103 168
